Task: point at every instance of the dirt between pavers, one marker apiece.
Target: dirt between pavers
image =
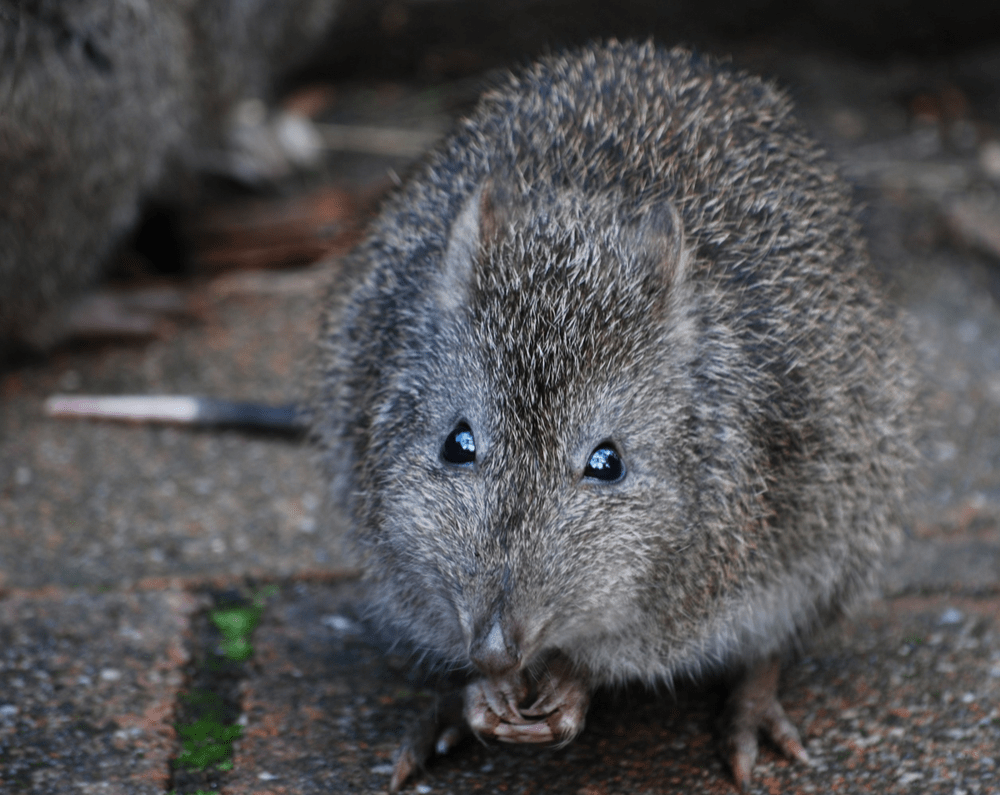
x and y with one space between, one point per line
905 698
88 688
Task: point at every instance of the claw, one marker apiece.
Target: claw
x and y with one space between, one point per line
527 733
784 735
437 731
405 766
449 738
557 713
753 707
491 711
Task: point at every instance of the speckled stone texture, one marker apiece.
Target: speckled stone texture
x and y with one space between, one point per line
904 699
88 687
85 503
113 537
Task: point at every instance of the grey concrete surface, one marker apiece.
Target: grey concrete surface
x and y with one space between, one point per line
88 690
112 538
904 699
90 504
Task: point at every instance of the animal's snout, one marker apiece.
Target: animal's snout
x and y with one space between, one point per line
493 651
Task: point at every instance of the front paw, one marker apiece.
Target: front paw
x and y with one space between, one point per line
549 706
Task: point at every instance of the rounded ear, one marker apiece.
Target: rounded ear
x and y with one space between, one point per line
478 221
659 233
464 239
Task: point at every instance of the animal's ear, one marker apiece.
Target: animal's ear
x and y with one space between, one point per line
478 221
464 240
660 235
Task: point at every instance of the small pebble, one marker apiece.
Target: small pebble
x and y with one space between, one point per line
203 486
168 488
951 616
300 140
339 624
307 525
969 331
945 451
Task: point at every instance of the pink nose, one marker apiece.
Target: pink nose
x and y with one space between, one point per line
492 653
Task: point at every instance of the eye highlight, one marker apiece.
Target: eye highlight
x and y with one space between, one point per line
605 464
459 448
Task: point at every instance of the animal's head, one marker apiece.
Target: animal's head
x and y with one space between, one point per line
524 459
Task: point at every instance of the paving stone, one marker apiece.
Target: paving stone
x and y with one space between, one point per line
904 698
88 686
962 563
98 504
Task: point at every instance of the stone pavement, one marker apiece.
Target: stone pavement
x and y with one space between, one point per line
117 543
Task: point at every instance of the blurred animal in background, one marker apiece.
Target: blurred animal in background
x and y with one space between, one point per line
108 104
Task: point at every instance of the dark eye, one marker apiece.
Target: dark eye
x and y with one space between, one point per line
460 446
605 464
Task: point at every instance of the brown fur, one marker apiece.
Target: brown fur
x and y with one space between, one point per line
636 245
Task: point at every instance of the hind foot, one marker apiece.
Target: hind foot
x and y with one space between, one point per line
753 706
